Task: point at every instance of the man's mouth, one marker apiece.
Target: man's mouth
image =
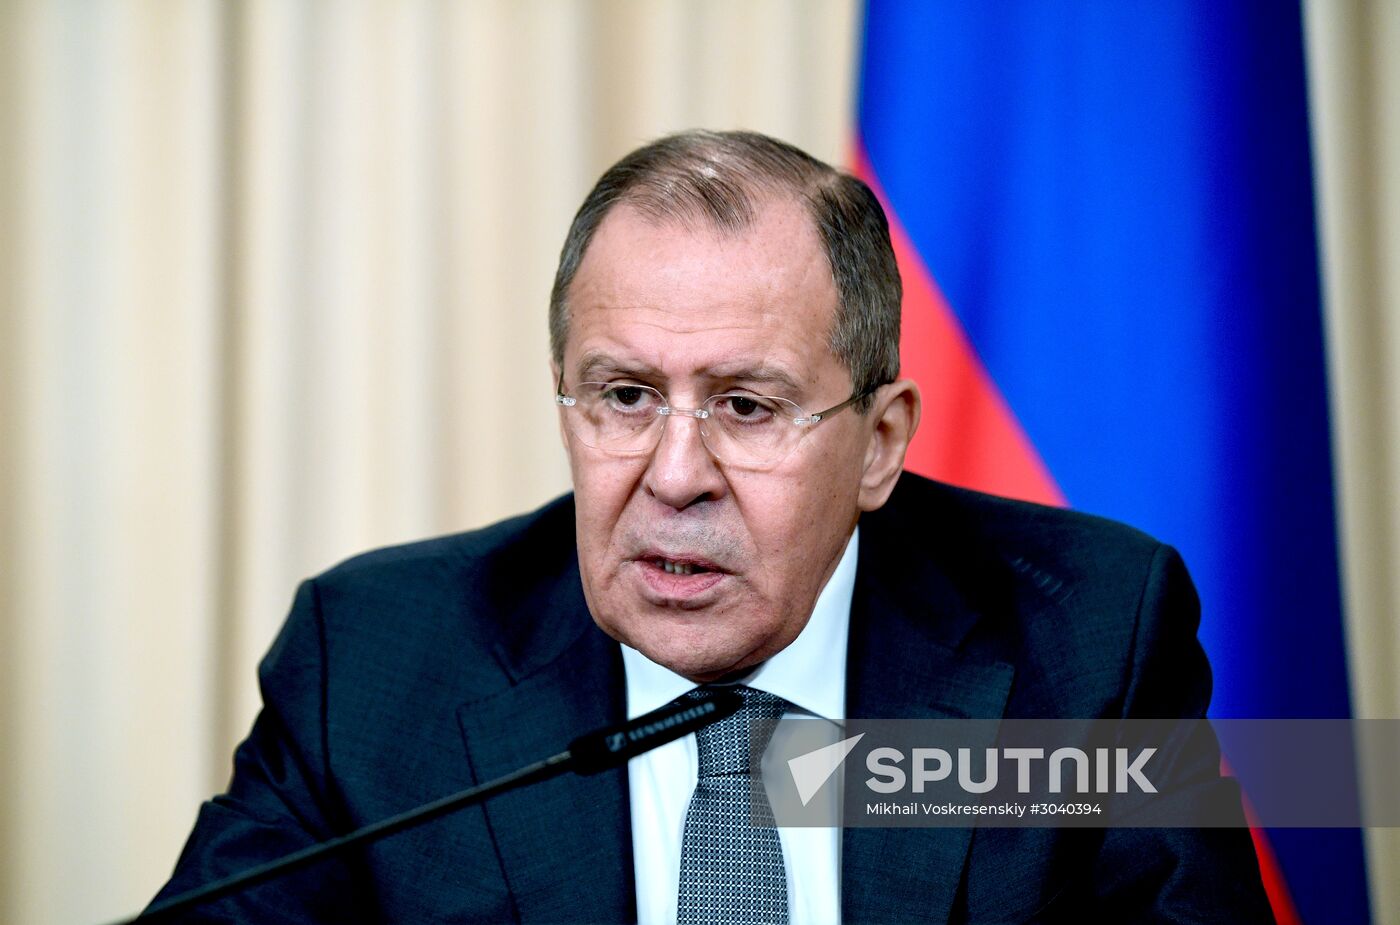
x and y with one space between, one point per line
680 566
672 578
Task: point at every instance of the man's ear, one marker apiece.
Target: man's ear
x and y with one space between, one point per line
895 415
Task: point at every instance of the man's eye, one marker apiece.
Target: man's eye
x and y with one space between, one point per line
750 410
627 398
743 406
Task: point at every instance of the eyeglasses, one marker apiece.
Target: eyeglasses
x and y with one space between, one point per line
739 429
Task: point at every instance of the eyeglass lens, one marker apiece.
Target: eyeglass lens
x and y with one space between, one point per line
736 428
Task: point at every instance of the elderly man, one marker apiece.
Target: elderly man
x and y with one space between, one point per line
725 333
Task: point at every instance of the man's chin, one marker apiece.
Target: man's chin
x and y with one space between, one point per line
702 662
702 672
729 635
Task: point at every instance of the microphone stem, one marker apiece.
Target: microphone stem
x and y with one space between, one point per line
540 770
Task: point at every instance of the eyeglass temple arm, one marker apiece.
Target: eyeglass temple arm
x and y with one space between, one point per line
823 415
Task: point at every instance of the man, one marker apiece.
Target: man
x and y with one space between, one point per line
725 331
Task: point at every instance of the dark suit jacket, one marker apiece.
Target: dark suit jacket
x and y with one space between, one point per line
412 672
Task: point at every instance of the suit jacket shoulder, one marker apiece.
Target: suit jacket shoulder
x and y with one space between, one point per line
502 599
406 674
973 606
1056 549
1079 605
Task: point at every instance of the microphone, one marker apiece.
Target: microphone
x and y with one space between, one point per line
608 748
588 754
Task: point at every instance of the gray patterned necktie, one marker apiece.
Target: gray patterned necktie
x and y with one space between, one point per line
731 860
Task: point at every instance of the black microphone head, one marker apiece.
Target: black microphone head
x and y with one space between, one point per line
608 748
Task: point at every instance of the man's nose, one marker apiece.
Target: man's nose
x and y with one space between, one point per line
682 471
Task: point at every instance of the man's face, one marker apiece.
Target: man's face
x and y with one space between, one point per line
694 312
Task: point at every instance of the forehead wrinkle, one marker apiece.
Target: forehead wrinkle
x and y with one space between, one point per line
698 323
736 253
682 272
763 370
698 327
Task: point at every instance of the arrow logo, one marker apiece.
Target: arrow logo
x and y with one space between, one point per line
811 771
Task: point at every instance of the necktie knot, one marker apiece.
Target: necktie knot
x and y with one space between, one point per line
735 744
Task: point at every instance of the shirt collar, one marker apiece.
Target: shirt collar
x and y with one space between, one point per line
810 673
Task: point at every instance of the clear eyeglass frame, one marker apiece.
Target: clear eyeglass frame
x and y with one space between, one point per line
720 436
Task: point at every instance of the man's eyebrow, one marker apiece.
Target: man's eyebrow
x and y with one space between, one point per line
602 364
598 364
770 375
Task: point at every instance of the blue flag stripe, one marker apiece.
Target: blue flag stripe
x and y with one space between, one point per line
1116 201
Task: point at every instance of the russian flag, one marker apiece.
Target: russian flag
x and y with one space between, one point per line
1104 216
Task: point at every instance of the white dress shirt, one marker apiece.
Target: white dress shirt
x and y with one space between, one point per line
810 674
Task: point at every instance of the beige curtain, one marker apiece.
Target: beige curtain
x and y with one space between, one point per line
1354 84
274 278
272 289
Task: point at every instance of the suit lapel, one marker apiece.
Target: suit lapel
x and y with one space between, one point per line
564 845
911 657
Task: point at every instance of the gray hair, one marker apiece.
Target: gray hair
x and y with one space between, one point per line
720 178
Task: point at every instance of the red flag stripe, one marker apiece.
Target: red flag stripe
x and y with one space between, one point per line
968 435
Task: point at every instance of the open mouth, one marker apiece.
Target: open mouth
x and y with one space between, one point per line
678 567
679 579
